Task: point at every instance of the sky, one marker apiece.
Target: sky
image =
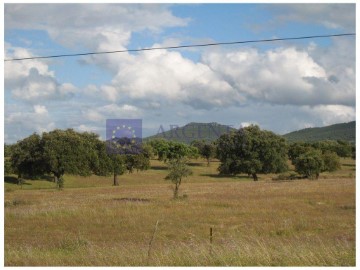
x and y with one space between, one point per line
280 86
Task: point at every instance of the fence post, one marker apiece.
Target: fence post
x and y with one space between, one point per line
211 240
151 240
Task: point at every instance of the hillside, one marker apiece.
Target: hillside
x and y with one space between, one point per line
194 131
343 131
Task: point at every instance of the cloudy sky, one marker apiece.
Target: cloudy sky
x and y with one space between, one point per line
281 86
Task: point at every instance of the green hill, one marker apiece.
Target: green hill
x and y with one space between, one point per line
212 131
194 131
343 131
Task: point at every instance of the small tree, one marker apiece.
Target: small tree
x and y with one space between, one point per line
206 150
117 166
331 162
178 170
309 164
160 148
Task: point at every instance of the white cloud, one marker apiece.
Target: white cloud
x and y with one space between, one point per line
91 128
100 114
221 78
332 114
225 78
26 122
339 62
15 71
281 76
39 109
31 80
315 84
169 76
95 23
105 93
246 124
231 78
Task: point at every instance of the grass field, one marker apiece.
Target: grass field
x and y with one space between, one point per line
264 223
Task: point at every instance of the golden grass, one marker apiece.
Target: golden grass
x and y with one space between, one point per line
265 223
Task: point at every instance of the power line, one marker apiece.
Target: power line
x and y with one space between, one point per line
180 47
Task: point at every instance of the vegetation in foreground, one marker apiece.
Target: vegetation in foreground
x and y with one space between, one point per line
264 223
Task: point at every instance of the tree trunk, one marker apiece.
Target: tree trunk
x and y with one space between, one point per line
208 161
176 191
116 181
56 177
254 176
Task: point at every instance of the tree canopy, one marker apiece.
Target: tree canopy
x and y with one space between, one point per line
27 159
205 149
178 169
169 150
251 150
309 164
67 151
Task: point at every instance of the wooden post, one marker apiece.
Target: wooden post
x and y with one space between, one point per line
211 239
151 240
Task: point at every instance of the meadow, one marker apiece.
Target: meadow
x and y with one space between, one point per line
264 223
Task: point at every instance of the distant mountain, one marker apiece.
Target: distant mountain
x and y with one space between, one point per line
194 131
343 131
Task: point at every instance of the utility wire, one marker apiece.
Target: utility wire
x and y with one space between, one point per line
180 47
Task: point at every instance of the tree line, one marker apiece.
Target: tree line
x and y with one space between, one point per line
248 150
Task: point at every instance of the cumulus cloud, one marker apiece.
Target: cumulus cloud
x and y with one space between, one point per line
95 23
169 76
339 62
331 114
317 84
32 80
284 76
100 114
19 121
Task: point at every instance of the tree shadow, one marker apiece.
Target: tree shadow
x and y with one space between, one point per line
348 165
194 164
158 168
219 176
49 178
13 180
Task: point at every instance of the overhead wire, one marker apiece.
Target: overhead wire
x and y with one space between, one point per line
180 47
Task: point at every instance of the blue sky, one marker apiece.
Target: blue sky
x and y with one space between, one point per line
281 86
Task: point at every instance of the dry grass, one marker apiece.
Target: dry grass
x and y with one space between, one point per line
265 223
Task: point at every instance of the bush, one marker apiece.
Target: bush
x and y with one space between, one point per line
331 162
309 164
